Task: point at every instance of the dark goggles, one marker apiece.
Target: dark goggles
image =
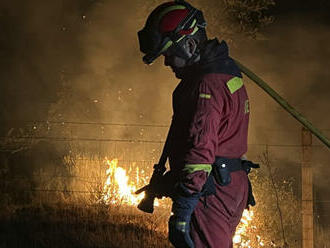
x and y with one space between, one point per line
152 44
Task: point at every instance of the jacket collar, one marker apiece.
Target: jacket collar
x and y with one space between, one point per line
215 59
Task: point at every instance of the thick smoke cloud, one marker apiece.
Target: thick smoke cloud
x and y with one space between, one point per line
79 60
38 42
294 59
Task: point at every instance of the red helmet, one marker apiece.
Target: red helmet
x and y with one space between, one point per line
167 25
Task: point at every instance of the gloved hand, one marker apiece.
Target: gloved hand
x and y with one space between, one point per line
184 204
179 232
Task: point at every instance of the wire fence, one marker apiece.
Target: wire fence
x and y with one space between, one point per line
89 148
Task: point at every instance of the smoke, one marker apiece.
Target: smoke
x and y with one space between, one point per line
293 58
131 86
38 42
80 61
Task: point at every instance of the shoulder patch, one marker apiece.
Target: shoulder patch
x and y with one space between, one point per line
234 84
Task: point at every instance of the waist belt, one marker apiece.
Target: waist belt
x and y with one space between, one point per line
221 169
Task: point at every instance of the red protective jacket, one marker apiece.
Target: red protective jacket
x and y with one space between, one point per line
210 118
210 114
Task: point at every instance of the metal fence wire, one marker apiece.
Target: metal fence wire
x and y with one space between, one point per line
76 162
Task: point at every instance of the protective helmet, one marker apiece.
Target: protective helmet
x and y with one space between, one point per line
167 25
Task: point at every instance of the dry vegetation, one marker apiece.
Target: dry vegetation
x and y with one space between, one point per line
277 213
79 225
62 207
52 207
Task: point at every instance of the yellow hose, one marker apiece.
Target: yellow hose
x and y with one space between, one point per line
280 100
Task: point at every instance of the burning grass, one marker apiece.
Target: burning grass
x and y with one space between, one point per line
94 205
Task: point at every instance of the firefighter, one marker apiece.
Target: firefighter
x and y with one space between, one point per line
208 133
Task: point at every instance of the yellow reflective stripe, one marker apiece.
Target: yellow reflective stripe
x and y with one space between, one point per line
181 225
167 45
206 96
169 9
190 168
180 38
247 107
234 84
193 23
194 31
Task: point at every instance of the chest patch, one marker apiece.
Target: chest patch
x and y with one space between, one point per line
206 96
234 84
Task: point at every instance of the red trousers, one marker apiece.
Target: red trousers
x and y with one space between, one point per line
216 217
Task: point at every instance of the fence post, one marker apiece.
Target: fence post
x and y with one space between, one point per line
307 190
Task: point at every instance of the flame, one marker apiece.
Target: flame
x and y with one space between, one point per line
241 231
242 228
118 188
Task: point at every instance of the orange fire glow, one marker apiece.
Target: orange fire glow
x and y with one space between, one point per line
119 189
239 239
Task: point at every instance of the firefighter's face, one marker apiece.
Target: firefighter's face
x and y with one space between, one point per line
176 63
175 58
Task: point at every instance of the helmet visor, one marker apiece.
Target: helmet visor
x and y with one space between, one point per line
152 44
149 41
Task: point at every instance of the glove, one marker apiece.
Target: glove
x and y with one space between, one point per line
184 204
179 234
